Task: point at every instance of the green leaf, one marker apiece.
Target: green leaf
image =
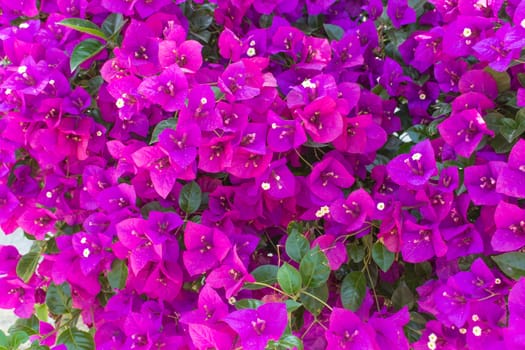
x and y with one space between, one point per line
292 305
502 79
311 304
83 26
118 274
355 251
27 325
297 246
3 338
511 264
248 304
190 197
75 339
84 51
170 123
266 274
403 296
383 257
290 341
41 312
14 340
353 290
27 265
314 268
289 279
333 32
58 298
113 24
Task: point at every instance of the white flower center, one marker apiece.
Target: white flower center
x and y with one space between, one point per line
49 194
204 100
120 102
416 156
86 252
265 186
476 330
322 211
21 69
467 32
380 206
251 52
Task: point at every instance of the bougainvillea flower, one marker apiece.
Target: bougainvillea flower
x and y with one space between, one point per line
284 135
181 144
257 327
514 338
187 55
248 164
478 80
201 109
329 177
347 331
335 251
389 329
278 181
512 176
37 222
461 34
481 181
140 46
322 120
169 89
206 247
421 242
131 233
239 81
510 227
353 211
400 13
464 131
495 50
360 135
415 168
230 275
162 171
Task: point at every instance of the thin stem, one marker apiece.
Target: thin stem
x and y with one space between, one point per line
275 289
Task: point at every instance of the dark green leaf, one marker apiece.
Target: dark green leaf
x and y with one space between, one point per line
170 123
14 340
333 32
403 296
289 279
58 298
502 79
201 20
27 325
314 268
84 51
248 304
297 246
311 304
84 26
27 265
353 290
75 339
113 24
266 274
500 144
292 305
511 264
118 274
355 251
383 257
290 341
190 197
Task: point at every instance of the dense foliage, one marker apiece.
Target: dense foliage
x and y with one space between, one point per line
263 174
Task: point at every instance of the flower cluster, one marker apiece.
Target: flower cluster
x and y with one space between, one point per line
263 174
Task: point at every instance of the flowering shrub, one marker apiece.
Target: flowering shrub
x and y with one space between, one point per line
263 174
